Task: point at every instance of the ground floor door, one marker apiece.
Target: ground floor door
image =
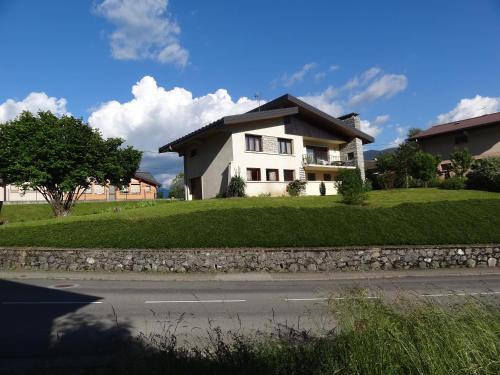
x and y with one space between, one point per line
195 187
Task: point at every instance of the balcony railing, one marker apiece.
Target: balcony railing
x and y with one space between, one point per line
328 160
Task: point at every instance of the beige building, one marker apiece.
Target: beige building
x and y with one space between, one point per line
142 187
281 141
480 135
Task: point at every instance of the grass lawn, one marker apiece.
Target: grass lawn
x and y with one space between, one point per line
412 216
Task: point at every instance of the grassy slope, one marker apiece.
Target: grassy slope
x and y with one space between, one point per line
413 216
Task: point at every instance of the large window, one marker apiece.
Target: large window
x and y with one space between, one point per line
253 174
327 177
135 189
253 143
311 176
289 174
272 175
285 146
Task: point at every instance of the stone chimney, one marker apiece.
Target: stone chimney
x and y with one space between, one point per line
354 147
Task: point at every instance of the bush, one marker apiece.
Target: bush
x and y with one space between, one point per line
485 175
351 187
461 161
434 182
368 185
322 188
296 187
236 187
424 167
453 183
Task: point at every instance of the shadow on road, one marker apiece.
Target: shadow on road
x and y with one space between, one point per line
38 324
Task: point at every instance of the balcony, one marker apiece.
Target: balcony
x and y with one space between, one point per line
328 161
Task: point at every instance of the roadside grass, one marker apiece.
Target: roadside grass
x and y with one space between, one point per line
372 337
394 217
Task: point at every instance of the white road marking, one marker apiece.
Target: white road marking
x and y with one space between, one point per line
459 294
49 302
200 301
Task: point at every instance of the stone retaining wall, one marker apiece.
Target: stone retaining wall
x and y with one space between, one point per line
252 259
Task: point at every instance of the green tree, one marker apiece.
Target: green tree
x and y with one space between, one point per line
351 186
236 187
176 189
413 132
424 166
322 188
461 161
60 157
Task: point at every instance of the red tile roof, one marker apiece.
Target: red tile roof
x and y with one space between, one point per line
460 125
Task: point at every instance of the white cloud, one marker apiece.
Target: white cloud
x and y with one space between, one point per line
156 115
396 142
325 101
384 87
290 80
144 30
34 102
370 128
320 76
333 68
382 119
473 107
363 79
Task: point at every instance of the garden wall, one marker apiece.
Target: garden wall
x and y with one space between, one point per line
252 259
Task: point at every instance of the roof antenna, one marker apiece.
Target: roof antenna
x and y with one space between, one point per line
257 96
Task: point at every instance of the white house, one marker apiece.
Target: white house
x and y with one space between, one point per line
278 142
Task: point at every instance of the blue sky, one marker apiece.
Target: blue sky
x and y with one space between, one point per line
400 64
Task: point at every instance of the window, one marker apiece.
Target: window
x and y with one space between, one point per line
289 174
350 156
327 177
311 176
253 174
285 146
98 189
193 152
461 138
253 142
446 166
272 175
147 188
135 188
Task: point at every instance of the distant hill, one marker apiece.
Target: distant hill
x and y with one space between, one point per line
372 154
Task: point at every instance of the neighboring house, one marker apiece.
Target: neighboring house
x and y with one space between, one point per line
480 135
142 187
278 142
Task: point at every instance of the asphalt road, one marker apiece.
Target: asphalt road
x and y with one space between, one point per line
81 316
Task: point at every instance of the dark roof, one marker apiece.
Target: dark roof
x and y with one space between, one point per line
459 125
318 116
285 105
228 120
348 115
146 177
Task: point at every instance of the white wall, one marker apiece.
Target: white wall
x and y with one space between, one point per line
312 188
211 163
243 159
15 194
